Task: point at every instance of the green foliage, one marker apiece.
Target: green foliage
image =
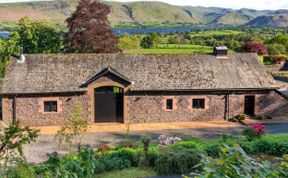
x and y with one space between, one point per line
147 42
129 42
12 140
269 147
146 142
251 134
21 171
120 159
176 161
187 145
233 163
81 165
39 36
276 49
7 48
74 129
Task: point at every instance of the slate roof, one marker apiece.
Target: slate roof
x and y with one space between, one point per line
44 73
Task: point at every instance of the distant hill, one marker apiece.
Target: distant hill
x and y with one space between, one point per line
278 20
57 11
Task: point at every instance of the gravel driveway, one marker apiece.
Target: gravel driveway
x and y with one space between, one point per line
36 152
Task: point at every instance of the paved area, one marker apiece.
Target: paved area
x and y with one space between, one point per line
114 133
100 128
36 152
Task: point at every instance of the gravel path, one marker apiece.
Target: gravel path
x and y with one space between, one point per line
36 152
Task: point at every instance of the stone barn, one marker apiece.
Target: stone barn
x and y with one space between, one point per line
42 89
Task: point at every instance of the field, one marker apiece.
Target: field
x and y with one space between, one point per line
215 33
173 49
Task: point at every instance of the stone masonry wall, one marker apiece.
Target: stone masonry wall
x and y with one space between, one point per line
28 110
273 105
150 108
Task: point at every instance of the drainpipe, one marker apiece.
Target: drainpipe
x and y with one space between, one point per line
14 109
228 104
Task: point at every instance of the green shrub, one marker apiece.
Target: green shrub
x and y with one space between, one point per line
188 145
81 165
251 134
212 150
274 148
131 155
114 163
177 161
21 171
234 162
268 60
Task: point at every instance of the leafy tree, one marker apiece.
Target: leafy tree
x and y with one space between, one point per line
280 39
147 42
38 36
276 49
129 42
89 30
7 48
74 129
255 47
12 140
150 40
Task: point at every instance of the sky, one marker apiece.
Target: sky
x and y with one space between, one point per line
235 4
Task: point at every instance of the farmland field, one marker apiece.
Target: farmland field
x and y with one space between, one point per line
172 49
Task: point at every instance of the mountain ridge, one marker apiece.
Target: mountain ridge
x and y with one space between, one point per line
144 11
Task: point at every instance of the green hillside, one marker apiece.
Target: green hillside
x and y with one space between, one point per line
57 11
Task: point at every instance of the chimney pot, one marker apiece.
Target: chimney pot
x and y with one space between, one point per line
221 51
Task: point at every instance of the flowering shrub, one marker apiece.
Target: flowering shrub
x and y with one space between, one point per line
258 128
278 59
254 131
168 140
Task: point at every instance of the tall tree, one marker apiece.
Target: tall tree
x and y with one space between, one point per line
89 30
39 36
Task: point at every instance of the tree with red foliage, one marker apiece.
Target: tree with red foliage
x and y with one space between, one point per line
255 47
89 30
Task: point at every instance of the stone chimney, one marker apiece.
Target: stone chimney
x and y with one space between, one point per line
21 58
221 51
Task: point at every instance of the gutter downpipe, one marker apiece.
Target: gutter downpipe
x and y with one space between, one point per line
14 109
228 104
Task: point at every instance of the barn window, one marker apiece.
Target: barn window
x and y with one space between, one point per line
50 106
169 104
198 104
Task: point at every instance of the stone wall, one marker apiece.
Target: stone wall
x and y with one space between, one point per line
149 108
273 105
144 108
28 110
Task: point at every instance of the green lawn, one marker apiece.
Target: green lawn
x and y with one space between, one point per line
128 173
215 33
173 49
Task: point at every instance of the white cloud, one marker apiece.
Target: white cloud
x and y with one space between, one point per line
235 4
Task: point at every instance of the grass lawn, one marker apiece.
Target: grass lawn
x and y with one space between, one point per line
173 49
216 33
163 51
128 173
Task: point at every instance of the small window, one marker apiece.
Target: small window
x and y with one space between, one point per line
50 106
198 103
169 104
